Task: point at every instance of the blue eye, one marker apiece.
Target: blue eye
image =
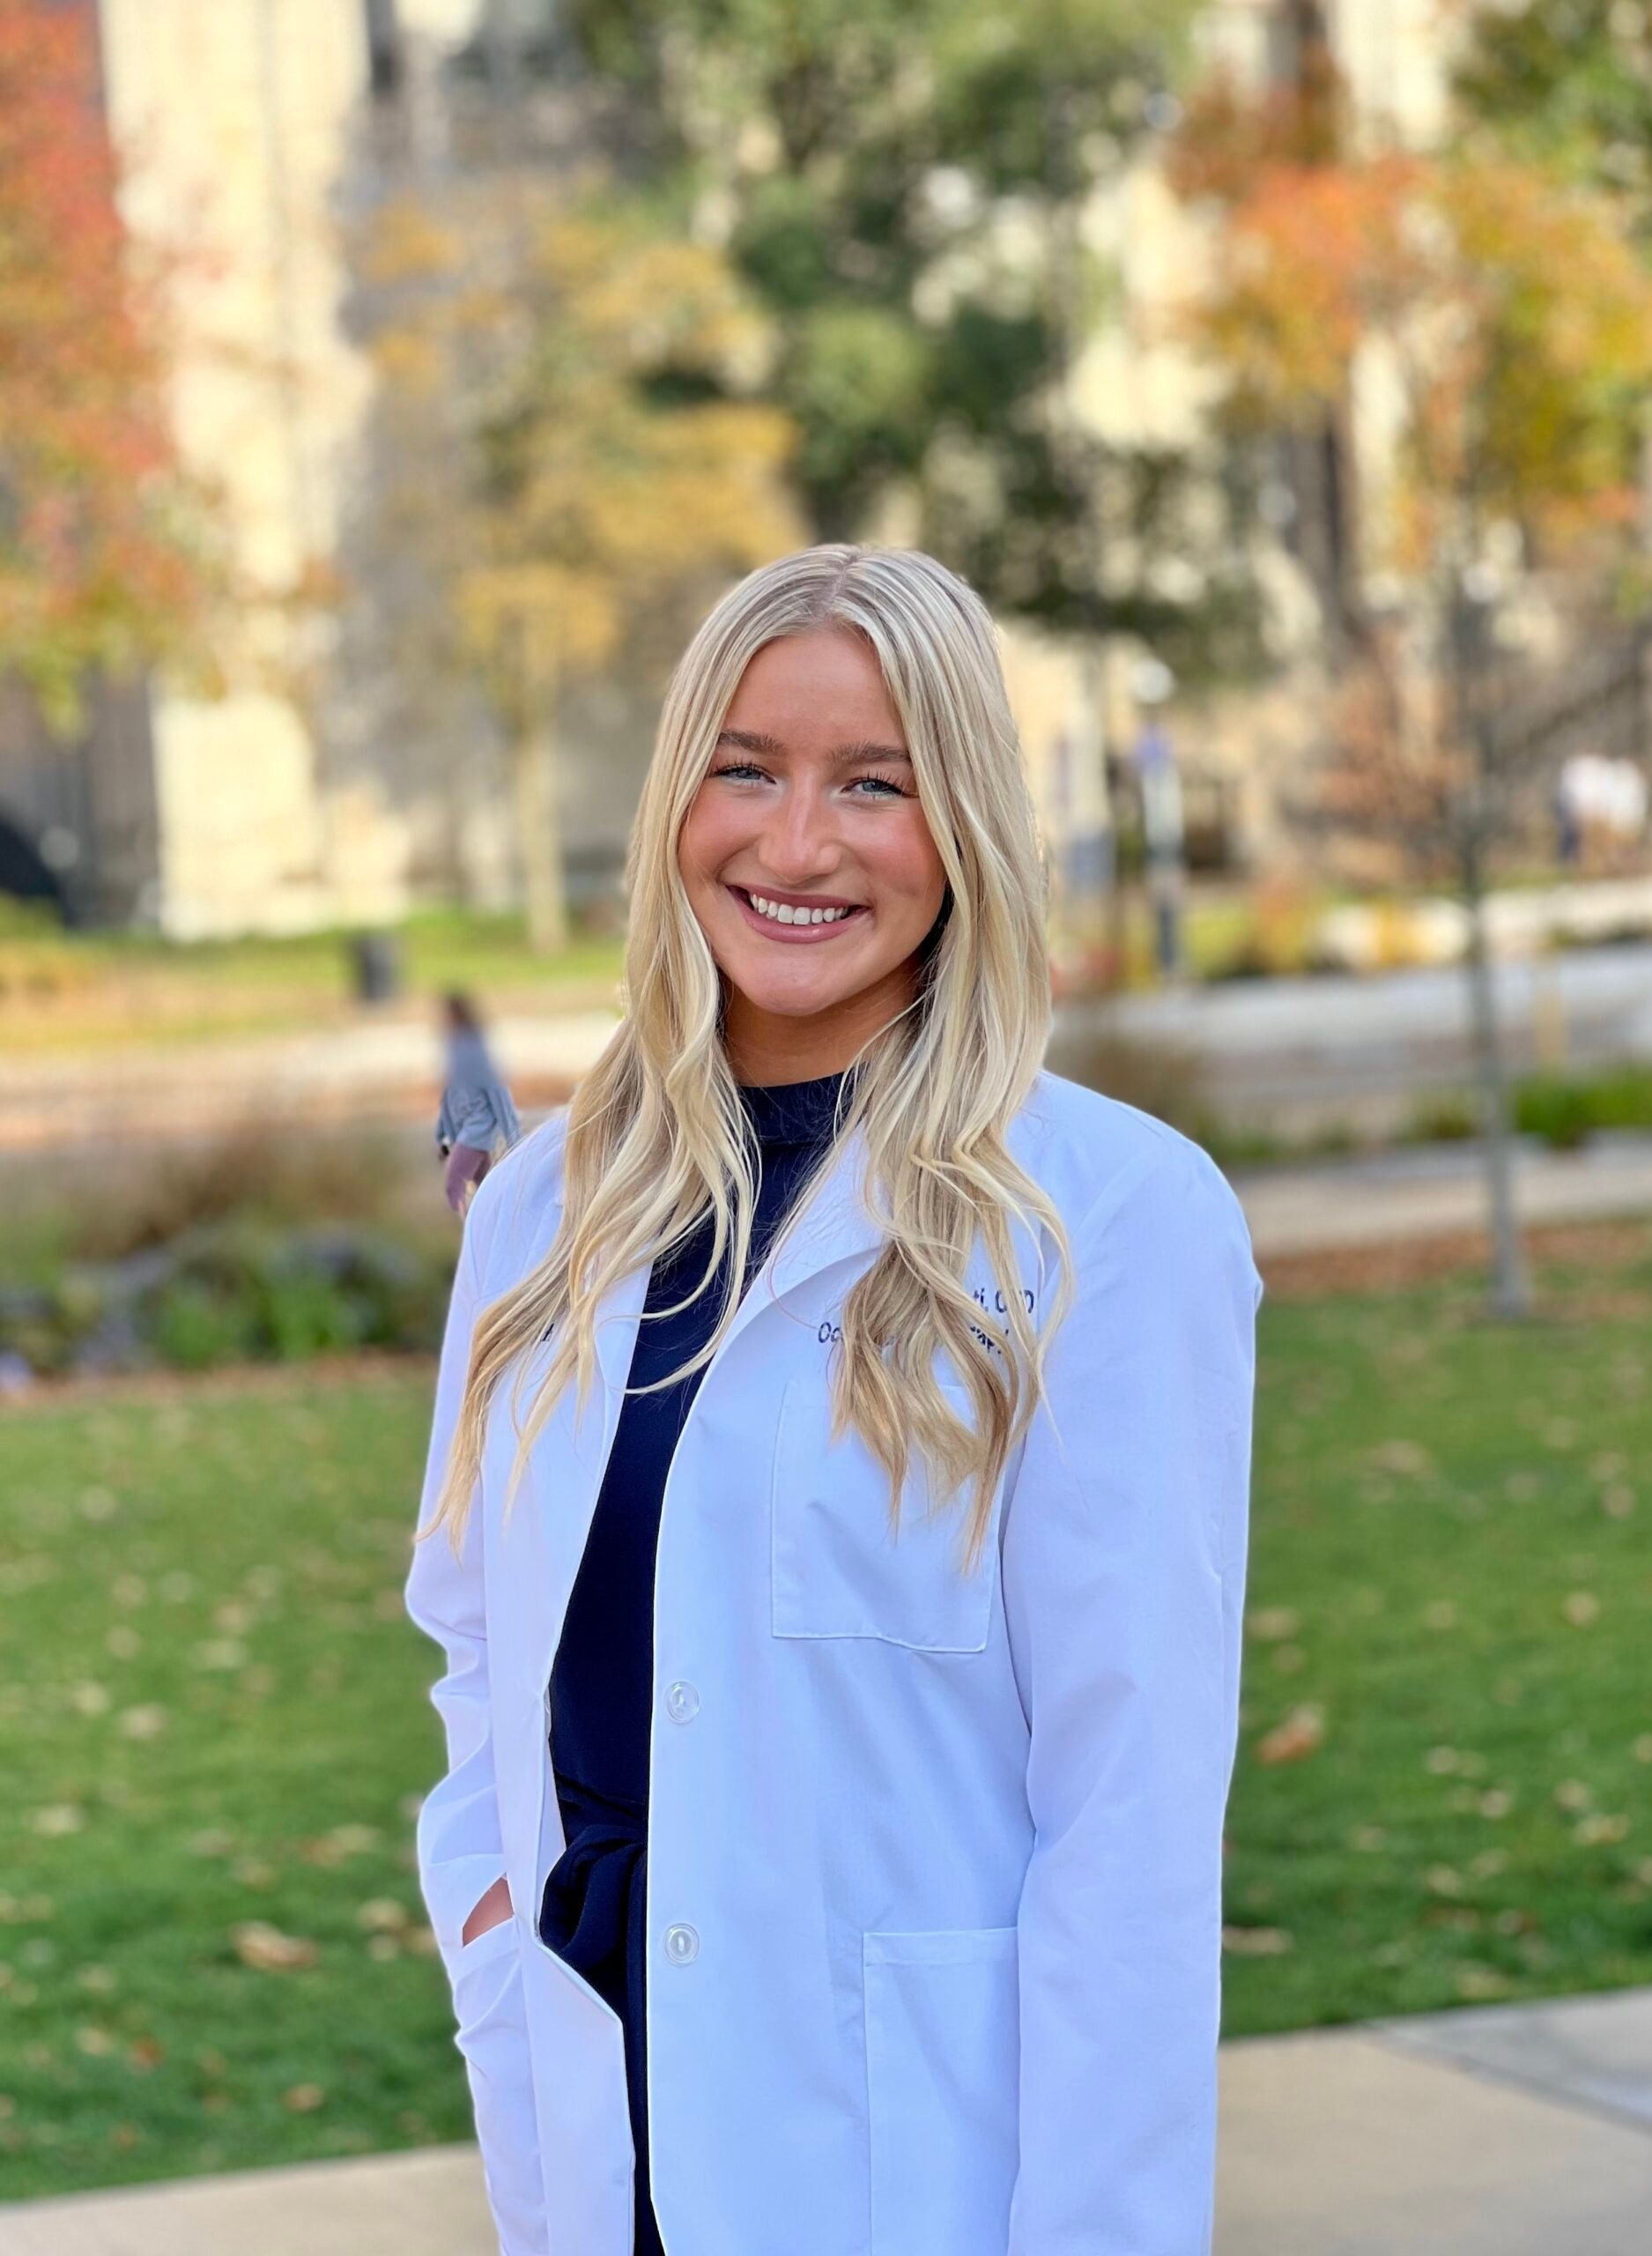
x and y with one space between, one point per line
882 787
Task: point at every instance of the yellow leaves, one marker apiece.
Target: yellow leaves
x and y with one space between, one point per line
58 1818
268 1951
409 242
343 1842
1596 1827
1511 312
1301 1734
1408 1459
1258 1942
1580 1607
382 1914
529 328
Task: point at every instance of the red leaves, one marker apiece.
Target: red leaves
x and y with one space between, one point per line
94 568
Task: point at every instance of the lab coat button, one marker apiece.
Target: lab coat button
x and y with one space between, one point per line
681 1944
682 1702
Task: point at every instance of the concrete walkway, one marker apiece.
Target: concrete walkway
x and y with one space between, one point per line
1428 1190
1492 2131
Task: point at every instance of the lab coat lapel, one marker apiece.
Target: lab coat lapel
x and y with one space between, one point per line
565 1466
834 1223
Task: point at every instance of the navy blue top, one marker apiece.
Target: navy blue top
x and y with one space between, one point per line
601 1683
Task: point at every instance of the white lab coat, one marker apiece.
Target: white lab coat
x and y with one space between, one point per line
934 1868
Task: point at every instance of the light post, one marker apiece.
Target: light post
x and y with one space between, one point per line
1153 684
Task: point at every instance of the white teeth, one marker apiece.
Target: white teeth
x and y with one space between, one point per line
781 912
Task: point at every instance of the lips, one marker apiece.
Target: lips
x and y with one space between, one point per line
806 935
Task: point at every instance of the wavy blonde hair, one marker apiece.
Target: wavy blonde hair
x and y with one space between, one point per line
656 1133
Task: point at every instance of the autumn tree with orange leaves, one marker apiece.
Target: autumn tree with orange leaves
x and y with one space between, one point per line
1495 319
104 540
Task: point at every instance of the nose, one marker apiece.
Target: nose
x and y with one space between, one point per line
799 843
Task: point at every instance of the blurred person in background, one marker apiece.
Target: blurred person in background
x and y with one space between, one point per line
477 1114
842 1659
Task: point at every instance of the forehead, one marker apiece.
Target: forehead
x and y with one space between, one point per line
810 691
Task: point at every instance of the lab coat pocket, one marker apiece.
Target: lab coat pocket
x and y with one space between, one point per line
489 2004
836 1571
943 2071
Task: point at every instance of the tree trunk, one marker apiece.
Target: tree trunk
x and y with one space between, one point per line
1511 1291
540 840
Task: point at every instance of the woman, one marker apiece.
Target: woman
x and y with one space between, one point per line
904 1606
475 1114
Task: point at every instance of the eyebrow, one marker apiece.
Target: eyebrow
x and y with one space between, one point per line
841 755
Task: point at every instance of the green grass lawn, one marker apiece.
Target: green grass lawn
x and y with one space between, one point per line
216 1714
98 992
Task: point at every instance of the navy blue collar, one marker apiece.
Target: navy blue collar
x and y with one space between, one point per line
796 1112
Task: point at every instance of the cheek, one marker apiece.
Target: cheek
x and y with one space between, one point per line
906 861
706 837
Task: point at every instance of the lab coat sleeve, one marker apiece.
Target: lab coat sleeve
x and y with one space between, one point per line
461 1853
460 1848
1124 1552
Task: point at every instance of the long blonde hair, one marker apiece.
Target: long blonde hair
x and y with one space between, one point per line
655 1133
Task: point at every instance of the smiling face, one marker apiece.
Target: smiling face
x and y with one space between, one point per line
808 861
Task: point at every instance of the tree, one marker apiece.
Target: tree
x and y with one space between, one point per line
903 189
106 549
590 370
1506 314
1569 82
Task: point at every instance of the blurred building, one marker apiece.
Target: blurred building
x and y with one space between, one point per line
326 787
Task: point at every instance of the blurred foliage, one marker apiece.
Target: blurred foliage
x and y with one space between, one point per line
1566 1110
1569 80
262 1243
903 189
108 561
1503 309
1514 315
569 441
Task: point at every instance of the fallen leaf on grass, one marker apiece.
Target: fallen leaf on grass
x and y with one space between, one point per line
303 2098
1258 1942
1301 1732
259 1945
1398 1456
59 1817
381 1913
1598 1827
